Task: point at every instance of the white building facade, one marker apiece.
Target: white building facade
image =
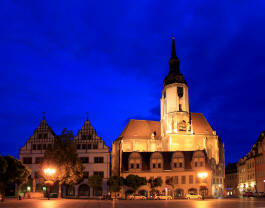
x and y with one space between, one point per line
91 149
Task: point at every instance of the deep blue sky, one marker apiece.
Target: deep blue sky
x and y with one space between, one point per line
109 58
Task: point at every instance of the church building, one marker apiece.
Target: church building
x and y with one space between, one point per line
182 147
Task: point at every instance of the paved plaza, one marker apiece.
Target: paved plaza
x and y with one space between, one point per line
68 203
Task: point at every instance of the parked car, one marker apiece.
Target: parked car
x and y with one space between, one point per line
136 197
163 197
193 196
248 194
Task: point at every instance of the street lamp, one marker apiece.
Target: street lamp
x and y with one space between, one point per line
49 173
203 175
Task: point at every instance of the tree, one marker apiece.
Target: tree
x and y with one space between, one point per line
135 181
95 182
171 181
155 182
12 171
63 157
115 183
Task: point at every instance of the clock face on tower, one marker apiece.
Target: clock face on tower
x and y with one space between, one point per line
180 91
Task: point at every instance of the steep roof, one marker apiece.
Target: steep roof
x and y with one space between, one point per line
141 129
200 124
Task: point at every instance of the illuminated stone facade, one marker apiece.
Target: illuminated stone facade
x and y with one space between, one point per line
90 148
180 145
260 163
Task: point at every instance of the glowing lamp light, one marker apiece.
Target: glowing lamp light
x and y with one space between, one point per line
28 188
49 171
202 174
252 184
246 185
241 185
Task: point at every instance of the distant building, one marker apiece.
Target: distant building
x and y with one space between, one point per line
260 163
91 149
251 168
231 180
180 146
246 172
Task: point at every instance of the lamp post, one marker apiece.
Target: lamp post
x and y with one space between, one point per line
203 175
49 173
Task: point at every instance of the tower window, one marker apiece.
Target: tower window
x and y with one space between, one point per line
180 107
159 165
154 165
180 165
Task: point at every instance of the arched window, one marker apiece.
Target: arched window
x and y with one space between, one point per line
135 161
156 161
177 162
198 159
83 190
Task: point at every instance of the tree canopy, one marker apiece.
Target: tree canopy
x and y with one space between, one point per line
115 183
12 171
63 157
155 182
135 181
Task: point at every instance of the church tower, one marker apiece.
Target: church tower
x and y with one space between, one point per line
175 116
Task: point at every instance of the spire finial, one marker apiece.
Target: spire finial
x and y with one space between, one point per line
173 50
87 116
43 115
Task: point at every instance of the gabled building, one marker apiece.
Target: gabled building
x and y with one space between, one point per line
95 156
180 145
32 153
260 163
91 149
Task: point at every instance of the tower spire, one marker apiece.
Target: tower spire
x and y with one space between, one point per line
43 115
173 50
87 116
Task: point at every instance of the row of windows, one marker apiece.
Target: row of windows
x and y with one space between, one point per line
42 136
38 160
260 161
87 146
85 175
41 146
217 180
182 180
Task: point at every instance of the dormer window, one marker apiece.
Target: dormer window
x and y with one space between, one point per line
177 161
135 161
198 159
156 161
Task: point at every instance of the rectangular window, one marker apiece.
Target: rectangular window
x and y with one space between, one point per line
175 165
83 146
180 107
195 164
86 174
39 147
38 160
197 179
180 165
183 179
40 136
44 146
36 174
98 159
154 165
176 180
159 165
88 146
49 146
34 146
138 166
84 159
95 146
45 136
27 160
132 166
191 179
99 173
201 164
78 146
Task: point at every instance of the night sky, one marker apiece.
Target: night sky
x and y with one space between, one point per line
109 58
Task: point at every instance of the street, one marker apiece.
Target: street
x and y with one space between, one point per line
70 203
